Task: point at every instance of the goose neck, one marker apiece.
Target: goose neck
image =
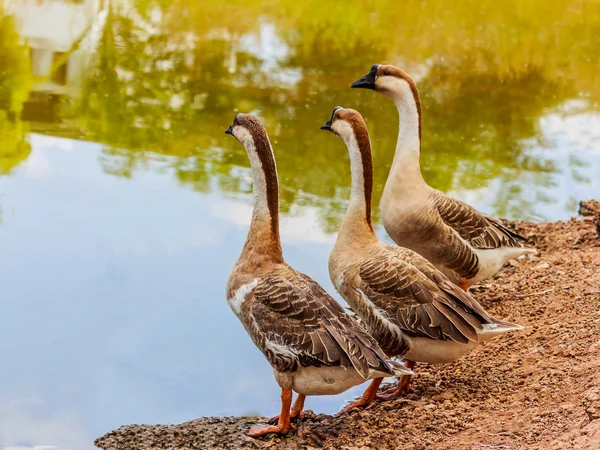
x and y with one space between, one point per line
408 148
357 220
263 236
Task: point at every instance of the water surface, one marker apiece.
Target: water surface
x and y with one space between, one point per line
123 205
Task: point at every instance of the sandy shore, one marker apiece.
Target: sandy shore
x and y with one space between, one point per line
536 389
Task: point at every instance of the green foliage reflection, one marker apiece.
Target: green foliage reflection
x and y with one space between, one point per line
166 78
15 80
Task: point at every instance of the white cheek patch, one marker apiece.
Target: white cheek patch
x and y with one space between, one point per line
239 297
343 129
244 136
394 87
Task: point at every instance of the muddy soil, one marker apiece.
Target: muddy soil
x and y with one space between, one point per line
535 389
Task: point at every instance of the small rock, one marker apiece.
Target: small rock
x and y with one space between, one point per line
542 266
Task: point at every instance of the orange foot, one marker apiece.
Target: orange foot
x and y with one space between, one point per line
296 410
366 398
464 285
395 392
356 404
402 386
275 419
258 429
283 421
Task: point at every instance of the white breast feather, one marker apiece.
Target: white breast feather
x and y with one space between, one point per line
235 302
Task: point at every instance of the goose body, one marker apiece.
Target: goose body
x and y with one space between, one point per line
466 245
410 307
313 345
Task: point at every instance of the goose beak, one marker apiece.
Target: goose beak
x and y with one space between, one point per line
368 81
327 126
235 122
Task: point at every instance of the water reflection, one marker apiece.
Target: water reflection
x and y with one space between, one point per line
114 289
15 78
157 84
116 246
161 78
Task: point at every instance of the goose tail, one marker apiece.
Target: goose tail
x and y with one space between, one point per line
399 369
497 328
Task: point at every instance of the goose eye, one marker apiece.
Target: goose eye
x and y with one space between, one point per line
385 73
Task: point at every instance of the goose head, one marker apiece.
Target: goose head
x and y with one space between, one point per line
345 123
388 80
251 133
246 128
349 125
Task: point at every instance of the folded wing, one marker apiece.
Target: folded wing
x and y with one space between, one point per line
304 326
481 231
419 299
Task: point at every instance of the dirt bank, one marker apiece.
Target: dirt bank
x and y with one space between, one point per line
537 389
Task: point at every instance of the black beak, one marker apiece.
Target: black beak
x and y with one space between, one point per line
368 81
327 126
230 129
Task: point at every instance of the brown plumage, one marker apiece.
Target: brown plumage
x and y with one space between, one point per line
425 303
294 326
406 303
479 230
466 245
313 345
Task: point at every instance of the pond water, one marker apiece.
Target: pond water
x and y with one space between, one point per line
123 205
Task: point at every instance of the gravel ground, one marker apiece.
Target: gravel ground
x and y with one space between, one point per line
535 389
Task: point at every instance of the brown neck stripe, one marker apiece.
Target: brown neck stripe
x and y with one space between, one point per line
267 162
364 145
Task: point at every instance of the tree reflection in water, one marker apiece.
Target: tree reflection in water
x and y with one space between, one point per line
165 78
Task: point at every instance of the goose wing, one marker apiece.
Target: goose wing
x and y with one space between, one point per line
479 230
418 298
299 327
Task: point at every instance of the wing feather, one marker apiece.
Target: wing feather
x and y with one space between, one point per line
299 324
419 298
481 231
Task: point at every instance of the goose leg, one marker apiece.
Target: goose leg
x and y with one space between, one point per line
464 285
283 423
296 409
402 386
367 396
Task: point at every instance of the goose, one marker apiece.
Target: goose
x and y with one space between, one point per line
313 345
410 307
465 244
